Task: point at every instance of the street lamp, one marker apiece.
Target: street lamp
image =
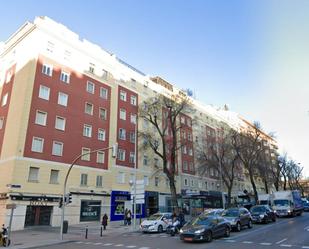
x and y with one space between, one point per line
114 154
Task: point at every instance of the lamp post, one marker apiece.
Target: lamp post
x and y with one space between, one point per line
114 153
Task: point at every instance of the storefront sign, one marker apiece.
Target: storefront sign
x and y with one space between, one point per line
90 210
39 203
190 192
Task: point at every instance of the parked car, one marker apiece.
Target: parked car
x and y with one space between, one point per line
262 214
156 223
305 204
205 228
238 218
213 211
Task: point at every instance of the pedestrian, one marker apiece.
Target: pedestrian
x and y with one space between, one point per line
129 216
125 221
104 221
181 217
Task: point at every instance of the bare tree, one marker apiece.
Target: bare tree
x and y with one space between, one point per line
294 175
218 154
249 148
284 169
163 115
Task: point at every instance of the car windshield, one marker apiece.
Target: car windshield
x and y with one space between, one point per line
155 217
281 202
200 220
231 213
212 212
258 209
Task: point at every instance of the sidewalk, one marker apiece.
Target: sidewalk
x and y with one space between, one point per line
45 235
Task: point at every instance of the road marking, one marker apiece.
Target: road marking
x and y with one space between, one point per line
306 228
78 242
96 244
87 243
305 247
144 247
130 246
284 245
118 245
108 244
265 244
163 236
247 242
231 240
281 241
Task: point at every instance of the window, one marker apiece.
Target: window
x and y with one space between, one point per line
190 152
50 47
89 108
185 165
47 69
133 100
87 130
191 166
54 175
206 185
1 122
101 134
33 174
211 172
200 184
100 157
91 67
104 74
186 182
87 156
103 93
62 99
189 137
156 181
121 177
122 134
121 155
184 149
37 144
146 180
156 162
83 179
183 120
133 118
44 92
132 157
90 87
57 148
102 113
192 183
60 123
40 118
123 114
65 77
132 137
145 160
123 95
4 99
99 181
183 133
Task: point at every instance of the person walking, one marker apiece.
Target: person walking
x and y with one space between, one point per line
125 220
129 217
104 221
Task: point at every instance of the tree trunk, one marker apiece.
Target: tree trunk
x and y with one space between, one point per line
229 195
174 198
253 186
266 187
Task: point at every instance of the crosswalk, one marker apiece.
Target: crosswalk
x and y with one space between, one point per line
109 245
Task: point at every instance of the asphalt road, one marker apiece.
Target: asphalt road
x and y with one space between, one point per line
285 233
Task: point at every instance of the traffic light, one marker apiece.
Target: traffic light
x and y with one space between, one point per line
69 200
60 202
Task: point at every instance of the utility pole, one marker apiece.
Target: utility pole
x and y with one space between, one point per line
114 154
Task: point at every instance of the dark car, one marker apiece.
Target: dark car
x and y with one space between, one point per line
306 205
205 228
262 214
238 218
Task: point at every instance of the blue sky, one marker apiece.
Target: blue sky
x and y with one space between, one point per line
251 55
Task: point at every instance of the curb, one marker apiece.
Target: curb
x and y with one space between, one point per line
44 245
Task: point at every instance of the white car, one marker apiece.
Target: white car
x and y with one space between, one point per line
156 222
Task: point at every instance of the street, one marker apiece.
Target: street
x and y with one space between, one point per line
285 233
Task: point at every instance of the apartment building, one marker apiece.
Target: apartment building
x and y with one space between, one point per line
62 96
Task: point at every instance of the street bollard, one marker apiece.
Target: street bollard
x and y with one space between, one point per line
101 234
86 235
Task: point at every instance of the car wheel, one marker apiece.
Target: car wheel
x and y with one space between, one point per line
274 219
160 229
250 224
238 227
227 232
208 236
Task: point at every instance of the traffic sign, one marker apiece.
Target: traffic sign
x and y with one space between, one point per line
10 206
140 201
140 196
